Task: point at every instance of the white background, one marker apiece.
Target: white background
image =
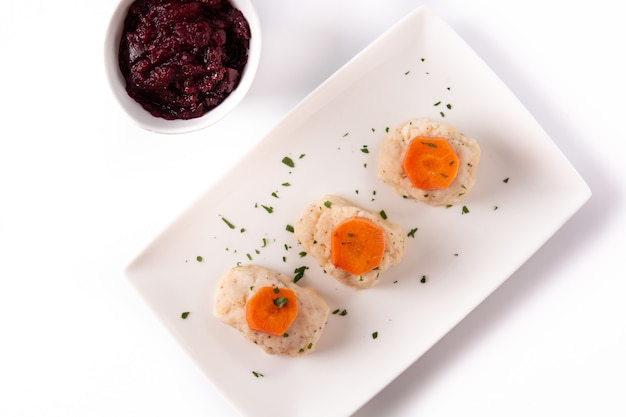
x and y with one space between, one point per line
82 190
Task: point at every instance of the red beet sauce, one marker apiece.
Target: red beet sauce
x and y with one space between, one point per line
181 58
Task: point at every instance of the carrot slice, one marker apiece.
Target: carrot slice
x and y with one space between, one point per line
357 245
430 163
271 310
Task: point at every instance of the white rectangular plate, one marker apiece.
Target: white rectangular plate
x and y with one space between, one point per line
525 190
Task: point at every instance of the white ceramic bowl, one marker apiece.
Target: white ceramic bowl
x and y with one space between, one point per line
160 125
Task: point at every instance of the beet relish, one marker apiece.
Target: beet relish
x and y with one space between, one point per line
182 58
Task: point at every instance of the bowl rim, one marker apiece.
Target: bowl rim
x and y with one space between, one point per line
142 117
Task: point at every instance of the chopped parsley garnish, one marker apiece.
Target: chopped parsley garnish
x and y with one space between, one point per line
289 228
375 335
269 209
302 254
184 315
412 232
506 180
280 302
286 184
340 312
288 161
257 374
437 103
464 210
328 204
199 258
229 224
364 149
299 273
423 279
383 214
